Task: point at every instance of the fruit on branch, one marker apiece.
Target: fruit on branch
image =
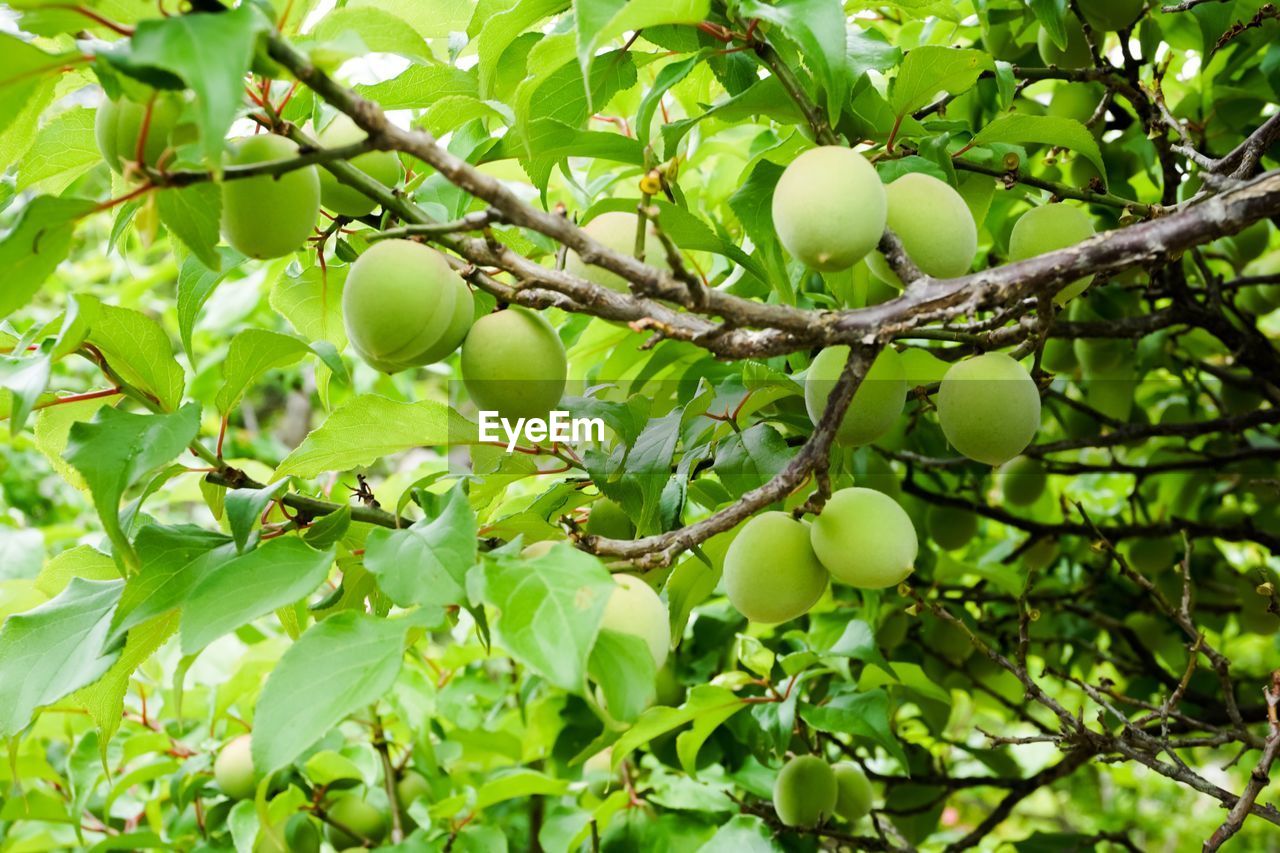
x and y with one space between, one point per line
989 407
359 817
1076 52
950 527
609 520
829 208
771 573
1111 15
118 125
935 227
634 608
1150 556
1022 480
854 794
404 306
411 787
513 363
805 792
382 166
300 835
598 772
1047 229
876 404
233 769
616 230
865 539
1077 101
268 216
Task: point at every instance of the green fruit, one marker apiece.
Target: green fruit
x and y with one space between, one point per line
879 475
1149 556
118 124
805 792
829 208
403 306
876 404
1077 101
233 769
935 227
854 795
411 787
382 166
1047 229
1074 55
989 407
770 571
513 363
616 230
268 216
607 519
635 609
950 527
1022 480
865 539
1111 15
358 816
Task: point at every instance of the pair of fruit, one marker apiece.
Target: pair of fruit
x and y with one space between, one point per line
808 790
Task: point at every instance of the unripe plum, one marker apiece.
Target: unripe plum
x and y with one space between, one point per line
268 216
609 520
1047 229
299 833
876 404
1111 15
233 769
513 363
1022 480
359 817
854 794
1074 55
616 230
950 527
635 609
770 571
865 539
412 786
805 792
118 124
935 227
404 306
829 208
382 166
989 407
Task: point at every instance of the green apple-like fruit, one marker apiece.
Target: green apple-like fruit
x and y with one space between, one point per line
1047 229
118 124
935 227
1111 15
513 363
989 407
268 216
1022 480
805 792
1074 55
358 816
616 230
770 571
950 527
876 404
382 166
404 306
829 208
233 769
635 609
865 539
854 794
609 520
411 787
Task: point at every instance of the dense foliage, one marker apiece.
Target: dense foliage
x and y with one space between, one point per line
935 349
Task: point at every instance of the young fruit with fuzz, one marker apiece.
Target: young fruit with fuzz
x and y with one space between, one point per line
381 166
865 539
233 769
805 792
829 208
951 527
404 306
1022 481
513 363
989 407
117 126
935 227
854 795
609 520
616 230
634 608
358 816
1048 229
770 571
268 216
876 404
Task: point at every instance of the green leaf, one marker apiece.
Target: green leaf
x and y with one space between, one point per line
138 348
517 783
622 665
26 380
82 561
252 353
36 245
173 560
599 21
863 714
707 706
364 430
312 302
931 69
54 649
750 458
669 76
1019 128
502 28
550 610
1052 16
196 282
274 574
379 30
192 214
64 149
25 69
115 450
328 530
104 699
742 834
817 27
428 562
421 85
337 667
245 506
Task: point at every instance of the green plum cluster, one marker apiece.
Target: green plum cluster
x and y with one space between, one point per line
935 227
808 791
